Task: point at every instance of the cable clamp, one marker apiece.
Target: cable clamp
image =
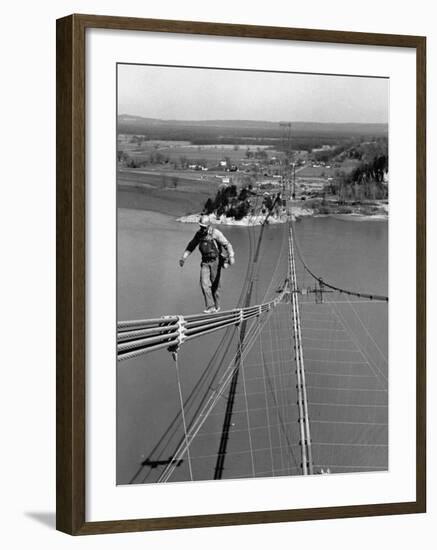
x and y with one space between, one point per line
181 336
241 317
166 318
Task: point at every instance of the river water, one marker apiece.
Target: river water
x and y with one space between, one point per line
349 254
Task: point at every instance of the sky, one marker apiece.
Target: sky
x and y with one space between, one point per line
206 94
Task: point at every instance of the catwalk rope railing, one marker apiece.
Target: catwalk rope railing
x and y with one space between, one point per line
304 422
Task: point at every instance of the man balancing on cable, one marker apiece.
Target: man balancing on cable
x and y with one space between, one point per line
217 253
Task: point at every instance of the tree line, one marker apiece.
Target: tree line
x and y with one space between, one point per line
230 202
366 181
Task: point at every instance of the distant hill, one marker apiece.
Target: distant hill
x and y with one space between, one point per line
137 122
304 134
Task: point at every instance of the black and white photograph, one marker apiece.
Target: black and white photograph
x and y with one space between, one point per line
252 274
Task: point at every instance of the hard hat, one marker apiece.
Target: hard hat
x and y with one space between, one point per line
204 221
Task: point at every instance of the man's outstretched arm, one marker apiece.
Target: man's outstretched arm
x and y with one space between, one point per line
190 247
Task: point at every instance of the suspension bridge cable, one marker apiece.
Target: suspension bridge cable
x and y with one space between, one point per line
193 328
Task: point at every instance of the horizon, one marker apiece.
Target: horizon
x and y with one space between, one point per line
250 120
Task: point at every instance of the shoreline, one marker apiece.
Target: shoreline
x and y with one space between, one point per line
299 213
176 202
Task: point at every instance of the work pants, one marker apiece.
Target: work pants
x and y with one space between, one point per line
210 282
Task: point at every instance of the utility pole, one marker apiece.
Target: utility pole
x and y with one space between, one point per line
289 173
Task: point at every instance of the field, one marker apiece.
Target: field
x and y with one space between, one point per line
174 150
321 171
